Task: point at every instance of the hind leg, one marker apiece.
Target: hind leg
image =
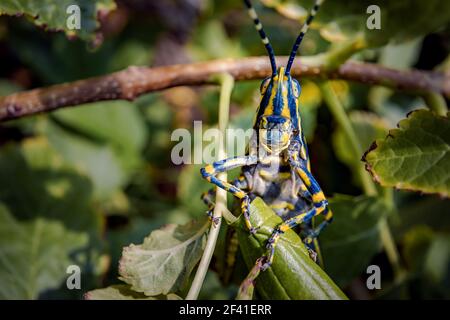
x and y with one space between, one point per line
285 226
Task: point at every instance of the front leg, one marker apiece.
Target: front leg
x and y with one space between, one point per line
210 173
208 197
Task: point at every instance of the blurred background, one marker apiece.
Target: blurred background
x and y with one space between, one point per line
78 184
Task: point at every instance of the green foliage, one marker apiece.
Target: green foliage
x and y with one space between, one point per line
52 15
367 126
111 131
293 274
427 254
92 179
353 236
123 292
34 255
400 20
164 261
37 183
415 156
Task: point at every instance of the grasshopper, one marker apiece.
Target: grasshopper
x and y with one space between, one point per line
276 166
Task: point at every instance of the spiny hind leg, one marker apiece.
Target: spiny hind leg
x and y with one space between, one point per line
210 173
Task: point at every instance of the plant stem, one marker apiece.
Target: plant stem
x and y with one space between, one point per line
337 109
337 56
369 187
436 103
226 82
391 250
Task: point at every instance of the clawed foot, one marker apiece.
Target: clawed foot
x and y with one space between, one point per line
253 230
310 237
265 263
210 214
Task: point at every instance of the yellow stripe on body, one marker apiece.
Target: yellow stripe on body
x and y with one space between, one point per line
283 205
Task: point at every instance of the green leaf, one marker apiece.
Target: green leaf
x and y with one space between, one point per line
422 211
96 160
166 258
34 255
52 14
437 261
340 21
212 42
37 182
352 239
367 126
415 244
427 255
415 156
118 123
190 187
123 292
400 20
293 274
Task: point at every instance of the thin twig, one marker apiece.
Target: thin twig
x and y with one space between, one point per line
436 102
226 82
135 81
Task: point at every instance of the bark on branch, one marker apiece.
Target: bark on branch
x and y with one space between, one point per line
135 81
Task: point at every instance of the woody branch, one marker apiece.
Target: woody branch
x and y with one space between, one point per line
135 81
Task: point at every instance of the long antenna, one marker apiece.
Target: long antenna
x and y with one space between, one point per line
262 34
305 28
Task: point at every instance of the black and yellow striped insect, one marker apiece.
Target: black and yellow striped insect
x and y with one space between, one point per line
276 166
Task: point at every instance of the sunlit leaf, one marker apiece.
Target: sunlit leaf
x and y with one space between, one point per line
164 261
415 156
53 14
123 292
399 20
293 274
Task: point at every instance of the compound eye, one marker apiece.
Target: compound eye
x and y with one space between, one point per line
296 89
264 86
